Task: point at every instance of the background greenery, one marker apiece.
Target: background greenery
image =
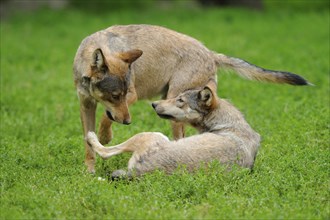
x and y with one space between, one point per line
42 170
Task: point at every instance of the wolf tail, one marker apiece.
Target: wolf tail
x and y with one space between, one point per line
253 72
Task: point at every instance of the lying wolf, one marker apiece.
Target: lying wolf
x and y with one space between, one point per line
121 64
224 136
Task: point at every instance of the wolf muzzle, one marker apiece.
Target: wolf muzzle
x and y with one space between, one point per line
125 122
164 116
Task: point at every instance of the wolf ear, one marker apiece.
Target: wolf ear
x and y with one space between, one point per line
130 56
98 59
212 85
206 96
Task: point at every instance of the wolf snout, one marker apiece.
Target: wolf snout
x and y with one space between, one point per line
127 121
159 109
154 105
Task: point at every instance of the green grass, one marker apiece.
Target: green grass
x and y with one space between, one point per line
42 171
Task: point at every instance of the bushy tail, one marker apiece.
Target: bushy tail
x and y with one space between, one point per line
253 72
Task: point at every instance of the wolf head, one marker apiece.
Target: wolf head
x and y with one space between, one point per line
108 82
190 106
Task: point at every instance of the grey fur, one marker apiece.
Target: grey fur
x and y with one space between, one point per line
170 64
224 136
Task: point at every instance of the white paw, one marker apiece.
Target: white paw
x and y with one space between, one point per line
100 179
91 137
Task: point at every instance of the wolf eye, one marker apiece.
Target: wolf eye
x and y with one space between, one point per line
115 97
180 102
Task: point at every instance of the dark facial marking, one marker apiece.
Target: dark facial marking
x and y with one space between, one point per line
194 101
109 115
110 84
112 87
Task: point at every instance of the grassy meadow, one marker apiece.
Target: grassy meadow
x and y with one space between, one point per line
42 171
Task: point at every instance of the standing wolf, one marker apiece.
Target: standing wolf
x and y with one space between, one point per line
224 136
121 64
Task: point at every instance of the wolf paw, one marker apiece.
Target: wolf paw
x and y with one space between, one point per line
91 138
119 175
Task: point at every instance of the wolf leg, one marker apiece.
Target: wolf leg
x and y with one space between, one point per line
104 152
87 115
139 144
105 130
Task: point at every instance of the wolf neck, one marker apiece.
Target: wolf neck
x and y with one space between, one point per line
224 118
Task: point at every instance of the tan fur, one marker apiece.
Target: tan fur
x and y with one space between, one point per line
153 61
224 136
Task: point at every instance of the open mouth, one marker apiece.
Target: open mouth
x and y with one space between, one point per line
109 115
166 116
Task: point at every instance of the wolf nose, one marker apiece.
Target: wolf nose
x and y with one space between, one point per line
154 105
127 122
